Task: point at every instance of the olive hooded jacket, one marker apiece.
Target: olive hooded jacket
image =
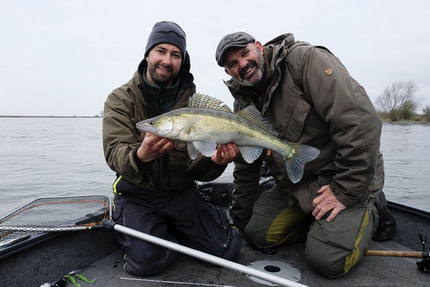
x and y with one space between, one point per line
129 104
310 98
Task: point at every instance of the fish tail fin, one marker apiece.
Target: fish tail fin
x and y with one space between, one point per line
296 164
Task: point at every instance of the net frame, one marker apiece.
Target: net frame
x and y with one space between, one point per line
55 214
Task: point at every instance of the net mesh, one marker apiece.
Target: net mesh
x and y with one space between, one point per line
55 214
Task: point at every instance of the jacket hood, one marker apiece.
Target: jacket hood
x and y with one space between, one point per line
187 78
287 38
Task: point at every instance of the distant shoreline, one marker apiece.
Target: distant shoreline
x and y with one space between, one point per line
407 123
3 116
410 122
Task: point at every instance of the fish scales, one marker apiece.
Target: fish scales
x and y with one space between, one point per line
228 127
206 123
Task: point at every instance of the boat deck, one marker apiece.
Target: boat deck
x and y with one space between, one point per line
372 271
99 257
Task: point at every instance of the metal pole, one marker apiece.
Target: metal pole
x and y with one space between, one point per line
207 257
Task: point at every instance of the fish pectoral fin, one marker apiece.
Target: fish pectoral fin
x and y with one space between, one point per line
250 153
190 123
205 148
192 151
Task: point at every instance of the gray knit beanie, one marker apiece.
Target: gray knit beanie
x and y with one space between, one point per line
167 32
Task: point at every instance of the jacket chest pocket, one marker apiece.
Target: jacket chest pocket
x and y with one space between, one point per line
290 125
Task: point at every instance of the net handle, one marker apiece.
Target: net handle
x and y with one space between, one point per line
203 256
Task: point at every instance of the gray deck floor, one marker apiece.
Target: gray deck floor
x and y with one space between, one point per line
50 260
371 271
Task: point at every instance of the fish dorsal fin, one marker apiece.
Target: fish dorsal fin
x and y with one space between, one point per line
207 102
253 115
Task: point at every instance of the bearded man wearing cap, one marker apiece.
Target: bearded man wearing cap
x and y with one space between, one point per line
309 97
155 190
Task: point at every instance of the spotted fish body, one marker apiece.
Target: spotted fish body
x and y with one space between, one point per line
206 123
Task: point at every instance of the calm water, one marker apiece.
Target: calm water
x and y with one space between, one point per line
63 156
406 151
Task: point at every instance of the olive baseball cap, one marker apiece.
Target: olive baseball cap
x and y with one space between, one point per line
237 39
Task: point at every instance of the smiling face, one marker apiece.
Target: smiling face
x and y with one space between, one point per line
164 63
245 65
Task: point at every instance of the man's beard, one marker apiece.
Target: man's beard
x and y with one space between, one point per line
160 82
257 77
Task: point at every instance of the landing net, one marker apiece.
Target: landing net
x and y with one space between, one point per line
54 214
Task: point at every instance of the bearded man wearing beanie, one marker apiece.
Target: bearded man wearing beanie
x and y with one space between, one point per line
154 189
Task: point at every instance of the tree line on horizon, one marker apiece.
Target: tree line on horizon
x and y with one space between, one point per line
398 102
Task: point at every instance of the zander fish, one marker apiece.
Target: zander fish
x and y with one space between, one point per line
207 122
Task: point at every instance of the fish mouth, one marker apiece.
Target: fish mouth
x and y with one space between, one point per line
146 127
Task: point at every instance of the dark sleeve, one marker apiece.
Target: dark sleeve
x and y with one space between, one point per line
204 169
142 166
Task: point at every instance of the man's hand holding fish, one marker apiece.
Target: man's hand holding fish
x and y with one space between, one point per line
225 154
153 147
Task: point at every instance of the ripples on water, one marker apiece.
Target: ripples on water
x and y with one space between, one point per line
64 156
51 157
406 151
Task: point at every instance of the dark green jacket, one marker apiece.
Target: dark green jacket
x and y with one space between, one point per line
128 105
310 98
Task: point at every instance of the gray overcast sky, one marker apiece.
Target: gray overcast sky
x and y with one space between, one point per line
65 57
